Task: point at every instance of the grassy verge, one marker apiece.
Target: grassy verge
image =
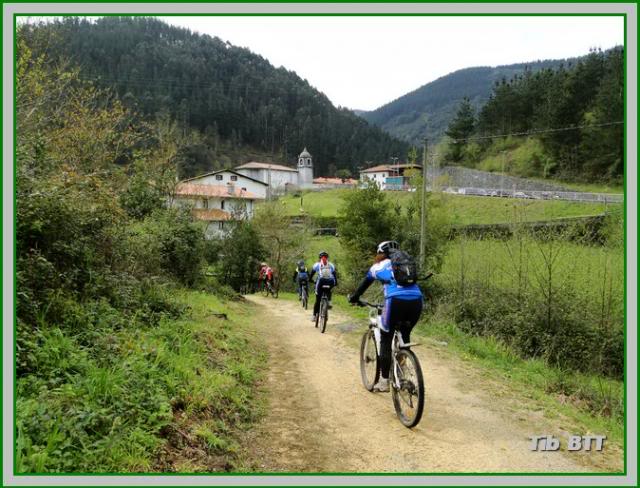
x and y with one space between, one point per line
561 393
590 187
171 397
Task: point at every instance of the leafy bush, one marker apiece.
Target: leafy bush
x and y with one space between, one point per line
365 220
169 242
140 198
241 254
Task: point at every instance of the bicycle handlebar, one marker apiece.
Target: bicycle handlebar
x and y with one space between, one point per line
364 303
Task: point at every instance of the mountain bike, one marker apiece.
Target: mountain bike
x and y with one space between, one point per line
405 378
323 313
269 289
304 296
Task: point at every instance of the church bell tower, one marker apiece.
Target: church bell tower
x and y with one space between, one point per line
305 169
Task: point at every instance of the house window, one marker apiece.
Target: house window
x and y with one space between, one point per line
205 203
234 178
221 225
222 204
219 177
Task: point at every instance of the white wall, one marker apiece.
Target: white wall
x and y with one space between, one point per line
378 177
278 178
231 205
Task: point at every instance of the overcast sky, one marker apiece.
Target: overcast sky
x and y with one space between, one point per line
365 62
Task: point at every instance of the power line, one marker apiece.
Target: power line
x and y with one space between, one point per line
536 131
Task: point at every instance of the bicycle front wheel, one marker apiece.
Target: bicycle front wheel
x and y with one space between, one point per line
369 367
324 307
407 388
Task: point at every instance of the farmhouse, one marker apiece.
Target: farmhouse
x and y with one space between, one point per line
215 204
390 176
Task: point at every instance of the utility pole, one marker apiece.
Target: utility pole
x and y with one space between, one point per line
504 155
423 212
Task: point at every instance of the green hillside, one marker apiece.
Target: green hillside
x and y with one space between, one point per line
428 110
224 99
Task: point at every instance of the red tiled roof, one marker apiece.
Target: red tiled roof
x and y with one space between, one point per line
334 181
275 167
222 191
375 169
210 215
390 167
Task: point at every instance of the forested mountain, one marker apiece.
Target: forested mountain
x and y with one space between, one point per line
234 100
573 117
428 110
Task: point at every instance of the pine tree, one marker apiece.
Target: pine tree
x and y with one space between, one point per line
460 128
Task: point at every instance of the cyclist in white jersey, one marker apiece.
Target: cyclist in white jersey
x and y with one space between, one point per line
327 275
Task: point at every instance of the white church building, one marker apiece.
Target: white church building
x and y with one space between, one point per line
279 177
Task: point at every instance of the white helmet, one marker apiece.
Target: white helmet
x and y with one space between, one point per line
387 247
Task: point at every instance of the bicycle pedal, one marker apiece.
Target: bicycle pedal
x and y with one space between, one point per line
409 344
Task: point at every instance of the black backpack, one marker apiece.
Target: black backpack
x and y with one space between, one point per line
404 268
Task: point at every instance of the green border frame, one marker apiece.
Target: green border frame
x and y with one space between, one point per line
364 14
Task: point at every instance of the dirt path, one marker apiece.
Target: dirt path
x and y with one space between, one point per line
321 419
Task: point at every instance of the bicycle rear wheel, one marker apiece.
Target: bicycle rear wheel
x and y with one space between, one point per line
324 313
369 367
408 399
305 299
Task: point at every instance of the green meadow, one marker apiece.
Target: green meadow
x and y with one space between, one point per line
462 209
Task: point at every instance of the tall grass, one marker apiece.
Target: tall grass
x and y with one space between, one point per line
132 399
548 297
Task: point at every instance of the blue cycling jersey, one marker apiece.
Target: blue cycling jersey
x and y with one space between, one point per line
382 272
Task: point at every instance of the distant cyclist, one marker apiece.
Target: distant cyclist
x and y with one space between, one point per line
265 275
327 275
301 278
402 302
261 275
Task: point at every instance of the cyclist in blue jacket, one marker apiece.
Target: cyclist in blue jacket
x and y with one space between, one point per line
327 275
301 278
402 305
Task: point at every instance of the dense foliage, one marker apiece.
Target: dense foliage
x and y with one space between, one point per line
105 354
231 98
576 113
